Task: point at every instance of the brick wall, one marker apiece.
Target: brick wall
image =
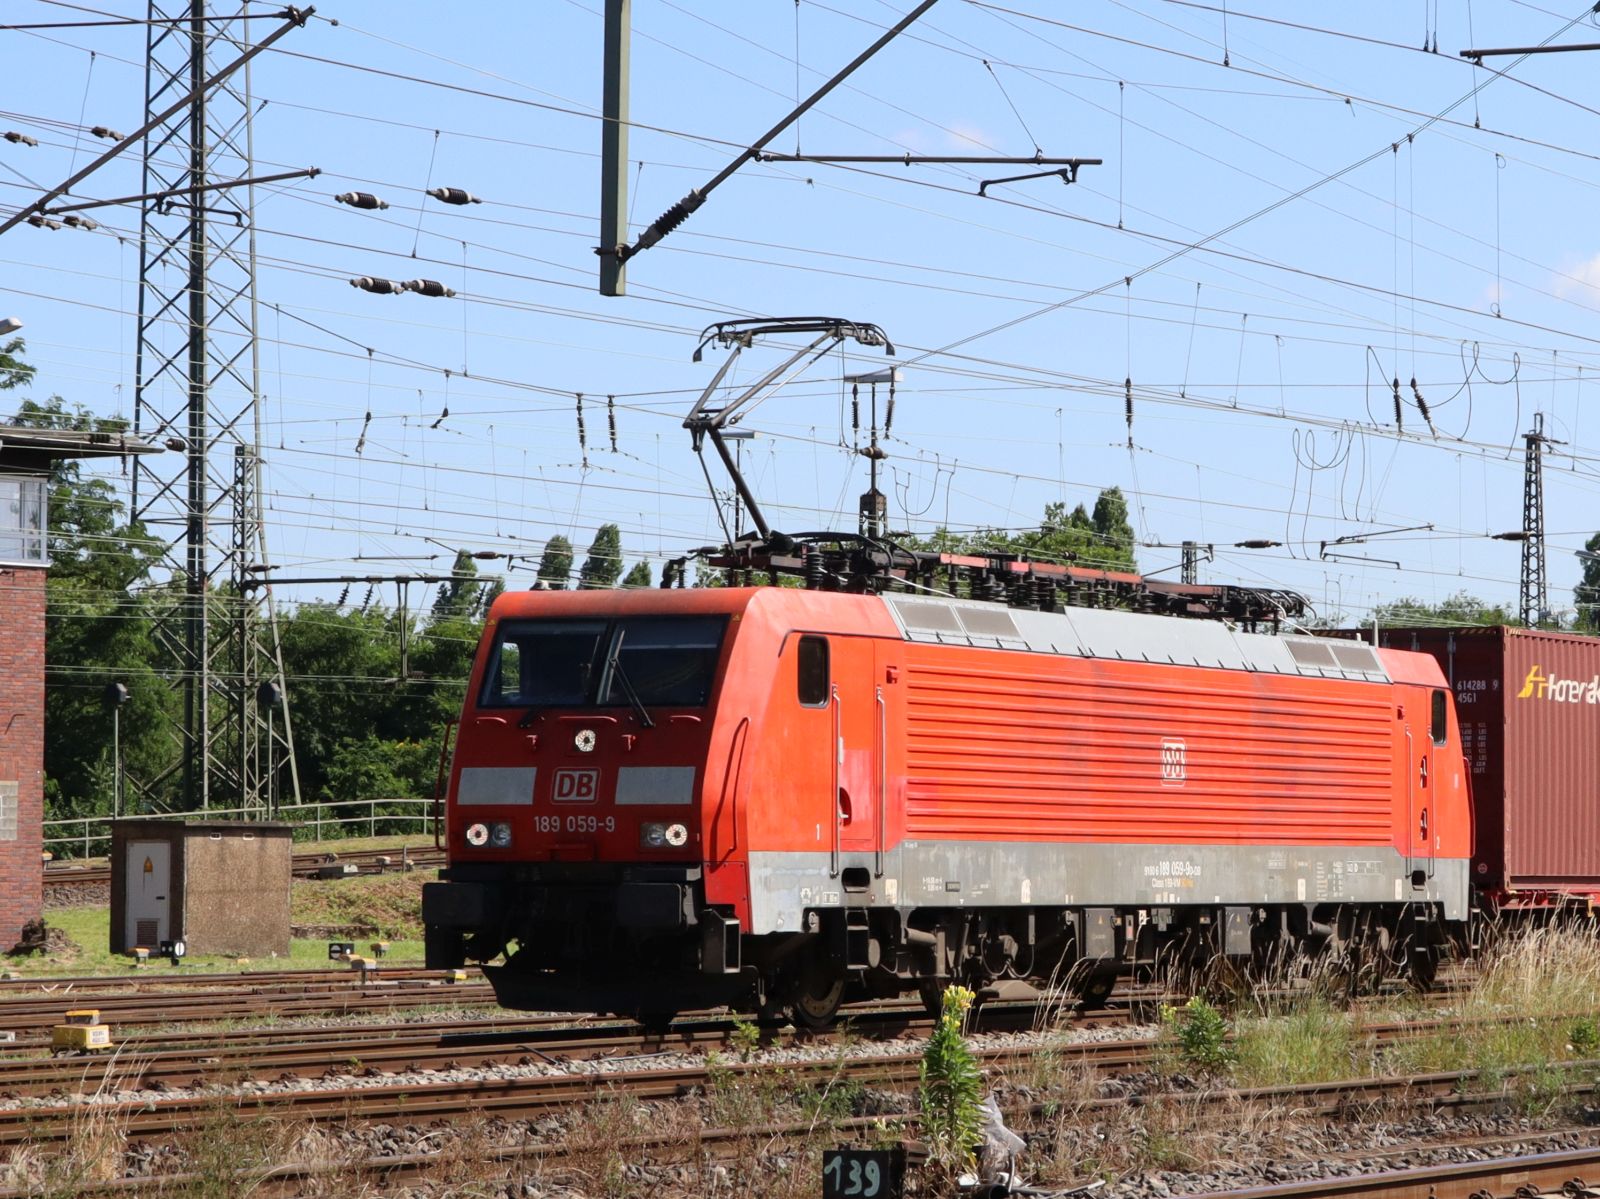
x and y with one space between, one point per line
22 597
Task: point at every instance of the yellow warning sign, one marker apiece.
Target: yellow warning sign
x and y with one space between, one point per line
149 866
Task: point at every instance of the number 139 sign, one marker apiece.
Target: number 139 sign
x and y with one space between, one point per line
863 1173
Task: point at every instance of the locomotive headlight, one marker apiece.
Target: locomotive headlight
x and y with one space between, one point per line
500 836
478 835
661 836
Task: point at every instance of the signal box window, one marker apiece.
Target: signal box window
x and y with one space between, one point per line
813 671
1441 725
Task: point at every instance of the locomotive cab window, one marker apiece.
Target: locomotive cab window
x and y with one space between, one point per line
812 669
1441 725
668 661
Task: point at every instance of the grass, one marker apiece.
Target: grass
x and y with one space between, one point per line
391 903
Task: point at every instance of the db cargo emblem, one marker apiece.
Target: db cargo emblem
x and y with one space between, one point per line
576 786
1173 769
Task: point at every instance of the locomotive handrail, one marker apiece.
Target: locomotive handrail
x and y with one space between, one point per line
882 800
439 782
835 752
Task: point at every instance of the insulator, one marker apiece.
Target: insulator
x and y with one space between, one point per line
583 436
19 139
111 135
611 420
343 596
813 567
379 287
1399 417
888 416
429 287
176 444
39 221
361 200
453 195
855 407
1127 401
1422 404
80 222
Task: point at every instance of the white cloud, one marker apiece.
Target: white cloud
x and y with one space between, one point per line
1580 282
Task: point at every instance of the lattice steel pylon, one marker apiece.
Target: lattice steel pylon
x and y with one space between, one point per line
1534 592
197 388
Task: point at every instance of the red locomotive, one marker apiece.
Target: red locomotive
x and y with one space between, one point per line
771 796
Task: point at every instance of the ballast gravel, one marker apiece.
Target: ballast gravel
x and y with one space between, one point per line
340 1075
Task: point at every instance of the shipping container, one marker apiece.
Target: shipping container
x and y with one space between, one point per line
1528 702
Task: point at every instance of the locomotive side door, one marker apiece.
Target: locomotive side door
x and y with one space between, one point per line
858 718
1426 730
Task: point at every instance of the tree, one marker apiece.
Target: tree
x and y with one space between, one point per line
1111 527
97 625
1458 609
459 596
555 567
1587 593
639 576
13 371
603 567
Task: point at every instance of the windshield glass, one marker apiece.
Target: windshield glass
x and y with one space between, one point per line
669 660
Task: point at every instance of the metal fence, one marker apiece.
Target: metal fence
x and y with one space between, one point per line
77 836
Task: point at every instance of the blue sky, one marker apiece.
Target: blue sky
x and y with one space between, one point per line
1464 256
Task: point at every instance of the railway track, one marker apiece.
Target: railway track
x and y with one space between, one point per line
304 865
1559 1174
326 994
562 1072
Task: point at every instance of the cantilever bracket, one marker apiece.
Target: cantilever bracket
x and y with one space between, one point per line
1068 175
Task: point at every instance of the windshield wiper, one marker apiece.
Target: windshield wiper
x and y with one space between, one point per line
634 701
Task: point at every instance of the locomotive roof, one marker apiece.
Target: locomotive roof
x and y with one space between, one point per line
1077 632
1131 637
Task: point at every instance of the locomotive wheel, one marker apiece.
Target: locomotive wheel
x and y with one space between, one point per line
816 1001
656 1023
1097 988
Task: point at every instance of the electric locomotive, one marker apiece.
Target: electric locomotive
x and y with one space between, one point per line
782 798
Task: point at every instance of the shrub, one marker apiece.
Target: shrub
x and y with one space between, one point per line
1201 1034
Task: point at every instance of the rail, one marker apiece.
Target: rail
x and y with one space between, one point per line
79 834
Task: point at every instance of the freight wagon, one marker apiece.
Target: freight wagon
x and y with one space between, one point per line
1529 706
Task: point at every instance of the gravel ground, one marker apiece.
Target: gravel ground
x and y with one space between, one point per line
787 1055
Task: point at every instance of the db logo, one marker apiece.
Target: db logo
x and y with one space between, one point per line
576 786
1173 768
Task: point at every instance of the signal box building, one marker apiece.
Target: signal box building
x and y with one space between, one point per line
26 456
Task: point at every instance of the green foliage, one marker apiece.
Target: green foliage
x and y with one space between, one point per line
97 628
1201 1035
745 1039
1584 1037
951 1087
1102 541
555 566
1587 593
13 371
1459 609
639 576
603 566
465 595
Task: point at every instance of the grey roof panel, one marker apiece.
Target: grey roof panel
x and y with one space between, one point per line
1129 637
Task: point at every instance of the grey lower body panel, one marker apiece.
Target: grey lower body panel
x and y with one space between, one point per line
924 874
